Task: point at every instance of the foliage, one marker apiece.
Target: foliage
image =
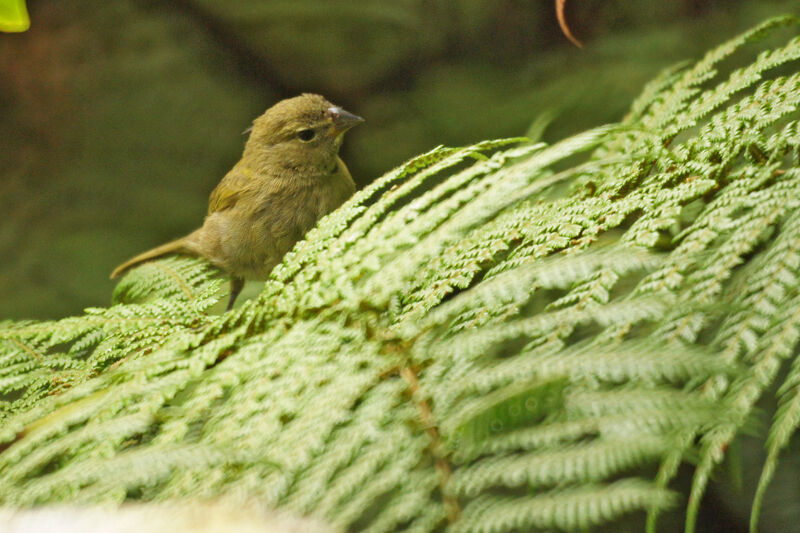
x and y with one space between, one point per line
502 336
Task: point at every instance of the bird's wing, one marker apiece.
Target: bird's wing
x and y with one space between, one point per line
228 191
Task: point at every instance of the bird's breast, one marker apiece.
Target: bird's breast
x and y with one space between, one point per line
261 228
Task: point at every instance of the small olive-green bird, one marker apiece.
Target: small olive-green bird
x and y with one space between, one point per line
289 176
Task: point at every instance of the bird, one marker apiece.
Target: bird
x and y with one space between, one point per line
289 176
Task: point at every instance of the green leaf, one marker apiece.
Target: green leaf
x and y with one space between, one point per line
14 16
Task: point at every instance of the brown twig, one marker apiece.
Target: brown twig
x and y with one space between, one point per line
562 23
442 466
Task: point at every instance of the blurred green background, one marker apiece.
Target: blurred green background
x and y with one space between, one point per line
118 118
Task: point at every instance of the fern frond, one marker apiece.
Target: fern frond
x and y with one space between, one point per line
498 336
785 424
568 509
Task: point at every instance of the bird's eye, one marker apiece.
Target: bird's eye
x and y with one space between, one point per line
306 135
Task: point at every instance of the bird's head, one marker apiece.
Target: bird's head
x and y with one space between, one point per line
302 133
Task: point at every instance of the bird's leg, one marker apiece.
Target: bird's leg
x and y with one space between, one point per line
236 288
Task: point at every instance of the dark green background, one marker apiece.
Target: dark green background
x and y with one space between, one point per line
118 118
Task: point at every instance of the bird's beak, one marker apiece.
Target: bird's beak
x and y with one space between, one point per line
342 120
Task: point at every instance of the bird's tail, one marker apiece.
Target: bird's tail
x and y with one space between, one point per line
178 246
